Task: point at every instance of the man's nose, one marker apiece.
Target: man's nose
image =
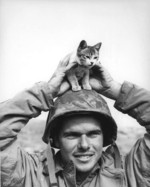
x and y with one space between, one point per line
84 143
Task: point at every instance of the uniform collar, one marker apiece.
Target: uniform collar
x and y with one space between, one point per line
69 171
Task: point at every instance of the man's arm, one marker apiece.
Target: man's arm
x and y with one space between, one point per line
17 167
134 101
16 112
129 98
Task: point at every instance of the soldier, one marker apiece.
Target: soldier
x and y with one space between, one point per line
79 124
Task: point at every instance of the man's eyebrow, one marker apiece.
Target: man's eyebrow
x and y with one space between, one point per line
72 133
96 131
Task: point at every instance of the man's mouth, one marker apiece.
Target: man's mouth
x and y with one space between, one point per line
84 157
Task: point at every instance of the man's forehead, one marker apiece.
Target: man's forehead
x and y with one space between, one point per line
81 122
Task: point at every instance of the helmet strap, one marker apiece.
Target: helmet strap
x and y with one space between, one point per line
51 166
117 156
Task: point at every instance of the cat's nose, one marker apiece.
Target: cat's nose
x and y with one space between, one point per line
91 63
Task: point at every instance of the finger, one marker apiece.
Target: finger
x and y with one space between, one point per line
66 59
63 62
96 84
63 88
99 65
100 68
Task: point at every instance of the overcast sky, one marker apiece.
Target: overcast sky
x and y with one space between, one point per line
36 34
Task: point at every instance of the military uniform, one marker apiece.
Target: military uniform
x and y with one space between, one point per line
21 169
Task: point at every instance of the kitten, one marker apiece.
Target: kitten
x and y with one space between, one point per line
86 57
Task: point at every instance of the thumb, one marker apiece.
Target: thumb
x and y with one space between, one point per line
66 60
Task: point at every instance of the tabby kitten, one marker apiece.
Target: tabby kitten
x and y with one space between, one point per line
86 57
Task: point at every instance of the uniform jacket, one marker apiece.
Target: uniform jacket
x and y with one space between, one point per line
21 169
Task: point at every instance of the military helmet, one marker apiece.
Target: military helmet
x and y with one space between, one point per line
81 102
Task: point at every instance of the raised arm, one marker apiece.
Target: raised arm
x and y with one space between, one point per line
17 167
129 98
16 112
134 101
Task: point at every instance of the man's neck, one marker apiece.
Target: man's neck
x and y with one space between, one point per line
81 176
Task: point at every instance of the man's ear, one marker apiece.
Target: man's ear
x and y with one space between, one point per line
55 142
51 141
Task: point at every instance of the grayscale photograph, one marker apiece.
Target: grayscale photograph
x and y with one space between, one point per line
74 93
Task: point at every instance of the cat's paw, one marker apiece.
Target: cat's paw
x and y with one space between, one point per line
87 87
76 88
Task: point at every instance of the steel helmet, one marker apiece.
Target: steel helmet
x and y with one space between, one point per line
81 102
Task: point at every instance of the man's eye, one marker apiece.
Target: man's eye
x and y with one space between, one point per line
71 136
94 134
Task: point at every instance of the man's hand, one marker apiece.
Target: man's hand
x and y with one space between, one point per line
56 80
103 83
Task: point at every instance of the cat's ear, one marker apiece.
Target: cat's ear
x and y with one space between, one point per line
82 45
97 46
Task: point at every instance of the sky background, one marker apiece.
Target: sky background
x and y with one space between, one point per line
36 34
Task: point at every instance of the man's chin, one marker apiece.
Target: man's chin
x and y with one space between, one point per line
84 169
84 164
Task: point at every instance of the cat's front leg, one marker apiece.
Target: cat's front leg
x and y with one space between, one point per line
85 80
73 81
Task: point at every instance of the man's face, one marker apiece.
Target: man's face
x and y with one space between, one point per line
81 140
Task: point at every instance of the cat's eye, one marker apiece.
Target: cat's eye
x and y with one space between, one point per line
87 57
95 57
